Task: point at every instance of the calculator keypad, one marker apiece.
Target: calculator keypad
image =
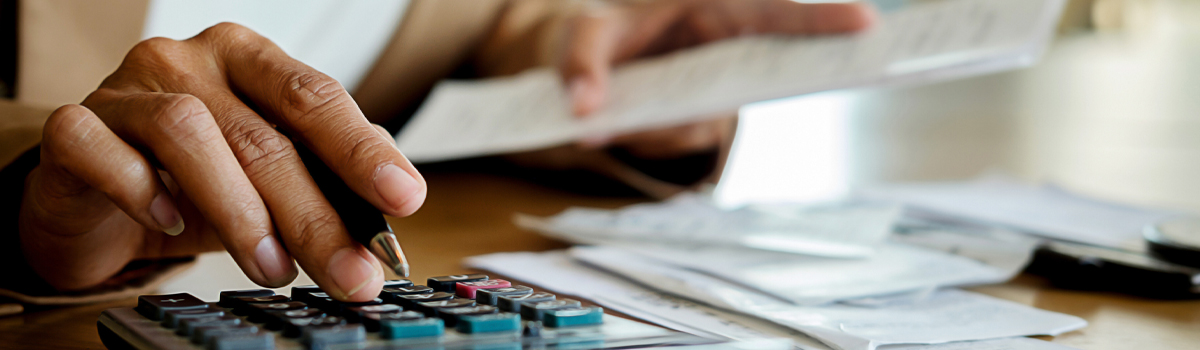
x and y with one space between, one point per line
465 305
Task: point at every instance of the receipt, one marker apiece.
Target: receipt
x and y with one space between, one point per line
691 218
923 42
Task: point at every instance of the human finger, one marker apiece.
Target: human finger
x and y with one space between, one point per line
182 135
318 111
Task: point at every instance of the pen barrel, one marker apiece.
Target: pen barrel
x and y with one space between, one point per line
362 220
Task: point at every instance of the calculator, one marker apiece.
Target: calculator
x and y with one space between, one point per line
449 312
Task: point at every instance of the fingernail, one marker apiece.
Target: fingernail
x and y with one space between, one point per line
397 187
274 263
167 216
351 272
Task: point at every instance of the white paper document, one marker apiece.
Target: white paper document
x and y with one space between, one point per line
895 268
923 42
1042 210
942 317
692 218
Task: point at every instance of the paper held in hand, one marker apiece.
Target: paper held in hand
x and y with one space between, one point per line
919 43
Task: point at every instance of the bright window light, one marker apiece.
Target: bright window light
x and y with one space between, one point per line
791 150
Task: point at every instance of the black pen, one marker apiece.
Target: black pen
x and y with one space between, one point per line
363 221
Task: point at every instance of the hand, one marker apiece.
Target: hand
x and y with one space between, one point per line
597 39
185 132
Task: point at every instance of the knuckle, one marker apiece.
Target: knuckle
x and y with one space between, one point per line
65 128
183 117
307 92
231 33
258 147
316 221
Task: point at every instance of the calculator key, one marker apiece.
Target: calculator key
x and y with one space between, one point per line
392 294
534 311
354 314
425 327
446 283
325 336
452 315
278 319
303 293
204 335
335 307
242 304
533 330
410 301
227 297
153 306
187 327
587 316
250 341
373 320
512 303
431 308
397 283
468 289
296 327
489 296
171 318
258 312
500 322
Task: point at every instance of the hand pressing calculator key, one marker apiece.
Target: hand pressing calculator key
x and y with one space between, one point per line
450 312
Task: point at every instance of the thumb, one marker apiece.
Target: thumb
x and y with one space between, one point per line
588 60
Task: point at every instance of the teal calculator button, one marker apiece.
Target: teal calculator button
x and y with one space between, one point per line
426 327
573 317
502 322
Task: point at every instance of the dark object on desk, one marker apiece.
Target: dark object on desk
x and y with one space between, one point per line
363 221
321 323
1082 267
1176 240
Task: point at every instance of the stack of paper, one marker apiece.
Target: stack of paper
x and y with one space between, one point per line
1042 210
702 305
922 42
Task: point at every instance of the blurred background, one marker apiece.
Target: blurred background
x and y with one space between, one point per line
1112 111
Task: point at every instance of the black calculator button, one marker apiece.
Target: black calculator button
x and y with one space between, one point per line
259 314
277 319
227 297
204 335
171 318
489 296
451 315
411 300
393 293
447 283
188 326
535 311
431 308
242 304
249 341
297 326
153 306
354 314
512 303
372 320
334 307
325 336
398 283
301 293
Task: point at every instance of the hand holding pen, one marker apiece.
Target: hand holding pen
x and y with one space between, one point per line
187 138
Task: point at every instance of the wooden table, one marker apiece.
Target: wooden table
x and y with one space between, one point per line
470 214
